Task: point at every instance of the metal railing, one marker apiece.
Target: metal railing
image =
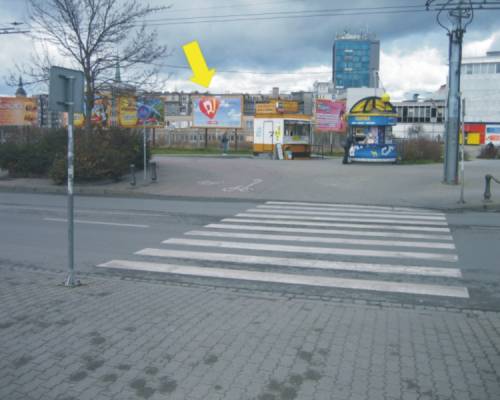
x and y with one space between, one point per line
487 190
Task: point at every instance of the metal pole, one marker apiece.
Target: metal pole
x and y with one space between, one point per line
453 111
144 146
462 165
70 280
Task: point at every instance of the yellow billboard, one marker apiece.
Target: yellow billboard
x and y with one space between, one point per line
127 112
18 111
277 107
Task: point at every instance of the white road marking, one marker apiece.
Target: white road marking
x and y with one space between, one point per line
338 225
303 263
355 206
79 221
314 250
293 279
340 219
241 188
330 231
324 211
347 214
317 239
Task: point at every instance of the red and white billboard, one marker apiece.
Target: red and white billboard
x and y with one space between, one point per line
330 116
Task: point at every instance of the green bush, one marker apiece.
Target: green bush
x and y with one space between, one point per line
102 154
31 153
420 150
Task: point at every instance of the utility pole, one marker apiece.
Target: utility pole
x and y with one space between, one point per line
459 14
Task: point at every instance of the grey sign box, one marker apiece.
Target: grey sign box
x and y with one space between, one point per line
59 89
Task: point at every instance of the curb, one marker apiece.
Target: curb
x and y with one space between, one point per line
89 191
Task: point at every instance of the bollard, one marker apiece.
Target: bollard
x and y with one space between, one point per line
152 168
487 190
132 174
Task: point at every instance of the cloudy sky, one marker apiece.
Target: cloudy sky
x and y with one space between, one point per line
253 47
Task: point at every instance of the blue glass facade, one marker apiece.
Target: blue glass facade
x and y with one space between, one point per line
354 63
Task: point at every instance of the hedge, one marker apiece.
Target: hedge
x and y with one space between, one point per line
102 154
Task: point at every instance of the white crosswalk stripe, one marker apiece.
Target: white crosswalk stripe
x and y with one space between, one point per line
321 239
303 263
343 213
255 214
346 210
270 277
308 244
340 225
397 235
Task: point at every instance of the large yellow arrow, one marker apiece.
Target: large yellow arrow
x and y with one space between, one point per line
201 74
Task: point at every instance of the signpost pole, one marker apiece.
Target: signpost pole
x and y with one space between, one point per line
144 147
462 153
70 281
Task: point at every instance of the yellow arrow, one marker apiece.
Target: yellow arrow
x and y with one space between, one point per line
201 74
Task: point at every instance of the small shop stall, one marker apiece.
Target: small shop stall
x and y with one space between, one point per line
370 123
279 129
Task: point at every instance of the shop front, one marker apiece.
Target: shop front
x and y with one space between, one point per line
370 123
279 129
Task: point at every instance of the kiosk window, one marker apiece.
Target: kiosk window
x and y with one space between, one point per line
297 128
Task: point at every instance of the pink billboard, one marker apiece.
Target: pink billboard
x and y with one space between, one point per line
330 116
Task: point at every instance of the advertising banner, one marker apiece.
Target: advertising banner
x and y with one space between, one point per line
101 112
150 112
330 115
371 120
18 111
217 111
492 134
127 112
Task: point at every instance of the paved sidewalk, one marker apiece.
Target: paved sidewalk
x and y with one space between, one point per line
300 180
120 339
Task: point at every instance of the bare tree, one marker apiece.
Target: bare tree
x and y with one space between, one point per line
95 35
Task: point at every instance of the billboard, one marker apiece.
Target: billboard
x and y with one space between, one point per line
492 135
131 112
127 112
150 112
330 115
18 111
217 111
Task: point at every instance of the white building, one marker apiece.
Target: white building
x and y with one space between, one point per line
480 86
323 90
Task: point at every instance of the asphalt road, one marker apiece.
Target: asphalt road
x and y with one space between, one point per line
33 235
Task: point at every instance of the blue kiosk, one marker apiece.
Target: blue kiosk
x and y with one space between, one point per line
370 123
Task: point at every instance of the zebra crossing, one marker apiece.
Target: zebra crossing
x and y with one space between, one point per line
323 245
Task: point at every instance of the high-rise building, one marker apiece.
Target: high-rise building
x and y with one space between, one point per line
356 60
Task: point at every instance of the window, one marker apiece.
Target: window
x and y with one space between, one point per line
498 68
468 69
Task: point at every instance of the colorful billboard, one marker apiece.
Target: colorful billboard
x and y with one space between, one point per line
150 112
127 112
217 111
330 116
18 111
131 112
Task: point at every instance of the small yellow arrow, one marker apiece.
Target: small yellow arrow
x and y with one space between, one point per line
201 74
